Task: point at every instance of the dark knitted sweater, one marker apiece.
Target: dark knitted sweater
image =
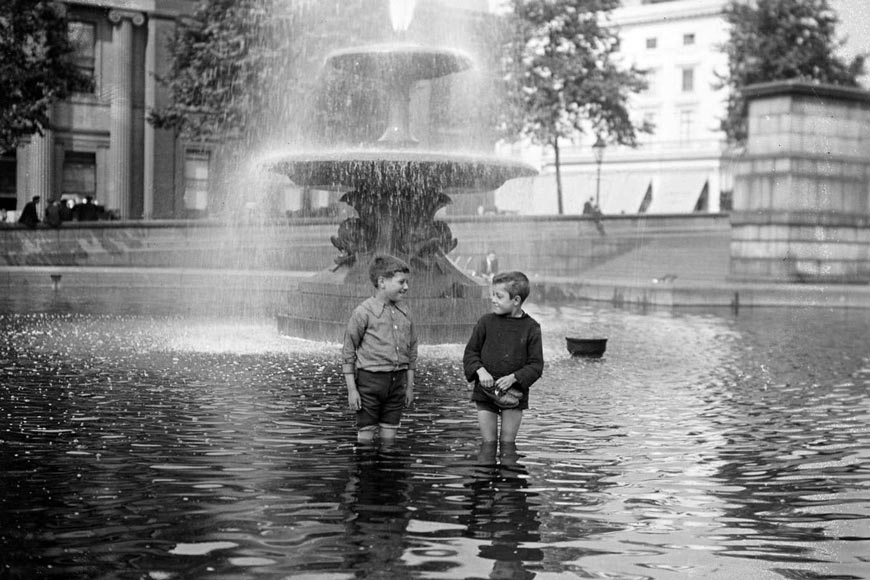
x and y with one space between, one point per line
504 345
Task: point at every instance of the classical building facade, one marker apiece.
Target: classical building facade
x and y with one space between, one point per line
99 144
684 166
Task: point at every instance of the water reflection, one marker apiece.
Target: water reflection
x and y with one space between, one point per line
501 512
709 444
377 496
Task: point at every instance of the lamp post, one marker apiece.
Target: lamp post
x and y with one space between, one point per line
598 153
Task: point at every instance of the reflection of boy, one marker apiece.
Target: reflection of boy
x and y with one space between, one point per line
380 352
505 351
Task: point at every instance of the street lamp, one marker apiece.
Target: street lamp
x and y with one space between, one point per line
598 153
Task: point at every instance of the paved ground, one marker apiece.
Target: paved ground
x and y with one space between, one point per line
694 256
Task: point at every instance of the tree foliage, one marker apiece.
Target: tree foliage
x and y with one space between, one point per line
774 40
35 68
563 78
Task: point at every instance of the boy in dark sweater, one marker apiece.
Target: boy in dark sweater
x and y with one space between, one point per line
503 357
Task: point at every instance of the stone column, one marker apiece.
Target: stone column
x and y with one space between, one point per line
121 112
150 103
802 188
40 169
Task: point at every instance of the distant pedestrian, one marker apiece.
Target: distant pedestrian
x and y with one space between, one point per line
87 211
588 207
52 214
66 210
488 266
29 216
503 358
380 353
596 214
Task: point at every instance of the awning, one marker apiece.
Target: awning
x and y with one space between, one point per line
622 192
677 192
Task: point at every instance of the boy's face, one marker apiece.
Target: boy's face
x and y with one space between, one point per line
394 288
501 301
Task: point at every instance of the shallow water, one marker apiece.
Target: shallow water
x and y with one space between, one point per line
702 445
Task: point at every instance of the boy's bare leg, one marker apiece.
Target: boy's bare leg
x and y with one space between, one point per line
486 454
366 434
488 423
508 453
388 433
510 425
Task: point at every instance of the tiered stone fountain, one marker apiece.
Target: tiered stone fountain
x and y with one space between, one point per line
396 189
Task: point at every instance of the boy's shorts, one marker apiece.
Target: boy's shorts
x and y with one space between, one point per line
488 406
383 398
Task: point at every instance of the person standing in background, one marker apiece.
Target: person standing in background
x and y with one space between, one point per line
29 216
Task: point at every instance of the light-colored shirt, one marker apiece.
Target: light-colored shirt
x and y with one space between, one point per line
380 337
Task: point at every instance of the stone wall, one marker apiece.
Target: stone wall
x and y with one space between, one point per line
802 189
545 246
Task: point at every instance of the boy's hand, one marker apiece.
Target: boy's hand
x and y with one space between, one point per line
505 382
485 378
354 401
409 395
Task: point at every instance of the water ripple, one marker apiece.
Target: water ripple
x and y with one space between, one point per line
702 444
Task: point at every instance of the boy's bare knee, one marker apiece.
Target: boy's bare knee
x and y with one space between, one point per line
389 431
366 434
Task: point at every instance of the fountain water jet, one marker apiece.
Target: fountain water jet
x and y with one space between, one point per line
396 189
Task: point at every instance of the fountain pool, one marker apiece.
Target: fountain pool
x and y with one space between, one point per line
702 445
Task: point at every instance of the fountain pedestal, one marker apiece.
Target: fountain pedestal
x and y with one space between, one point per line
396 189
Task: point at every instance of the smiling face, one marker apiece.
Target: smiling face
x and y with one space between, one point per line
393 289
502 303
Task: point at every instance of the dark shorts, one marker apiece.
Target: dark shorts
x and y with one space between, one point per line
492 407
383 398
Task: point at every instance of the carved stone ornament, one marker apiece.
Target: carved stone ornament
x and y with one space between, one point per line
137 18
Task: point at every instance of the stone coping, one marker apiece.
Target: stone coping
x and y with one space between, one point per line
803 88
807 218
620 292
312 221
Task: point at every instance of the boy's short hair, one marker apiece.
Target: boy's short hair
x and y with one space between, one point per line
387 266
516 284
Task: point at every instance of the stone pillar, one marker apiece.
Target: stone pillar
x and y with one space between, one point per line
40 169
802 188
150 103
121 112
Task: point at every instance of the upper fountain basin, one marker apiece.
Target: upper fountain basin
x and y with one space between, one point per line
411 62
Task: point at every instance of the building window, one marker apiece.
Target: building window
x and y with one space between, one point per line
688 80
688 39
652 43
196 180
652 79
82 36
687 120
649 119
79 176
8 182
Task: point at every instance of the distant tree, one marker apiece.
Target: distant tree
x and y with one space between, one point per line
563 79
247 69
225 59
35 67
774 40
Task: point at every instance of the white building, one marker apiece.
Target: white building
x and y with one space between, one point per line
684 166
